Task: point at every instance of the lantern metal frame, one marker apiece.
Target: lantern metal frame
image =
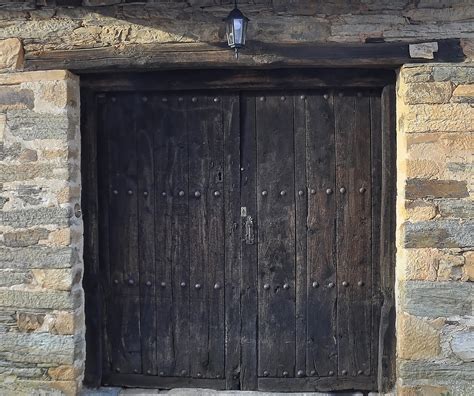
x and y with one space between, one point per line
236 29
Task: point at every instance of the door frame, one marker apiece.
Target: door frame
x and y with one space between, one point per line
92 85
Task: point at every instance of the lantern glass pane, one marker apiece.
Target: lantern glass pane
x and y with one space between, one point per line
230 34
238 31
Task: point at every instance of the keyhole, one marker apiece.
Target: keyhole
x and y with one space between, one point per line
219 176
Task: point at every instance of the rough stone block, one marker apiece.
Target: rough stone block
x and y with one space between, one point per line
36 299
461 209
464 94
456 74
462 345
28 322
11 54
54 279
438 299
468 266
29 125
34 217
10 278
439 233
449 117
38 257
37 348
428 188
24 237
420 210
13 98
433 92
418 339
63 372
438 371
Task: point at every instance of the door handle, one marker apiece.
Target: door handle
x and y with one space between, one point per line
249 231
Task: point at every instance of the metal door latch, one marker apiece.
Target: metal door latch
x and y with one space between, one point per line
249 231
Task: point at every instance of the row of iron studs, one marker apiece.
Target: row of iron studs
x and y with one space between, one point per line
217 193
194 99
300 373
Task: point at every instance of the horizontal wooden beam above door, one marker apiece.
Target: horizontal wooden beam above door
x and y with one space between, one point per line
257 54
238 79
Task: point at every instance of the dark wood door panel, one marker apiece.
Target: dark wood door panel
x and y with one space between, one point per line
240 238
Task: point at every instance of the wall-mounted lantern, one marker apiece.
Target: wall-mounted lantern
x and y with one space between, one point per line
236 29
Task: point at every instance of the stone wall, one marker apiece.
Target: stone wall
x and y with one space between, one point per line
435 219
43 27
41 298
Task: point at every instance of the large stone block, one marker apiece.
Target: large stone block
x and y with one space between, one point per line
433 92
25 238
31 171
11 54
418 338
438 371
29 125
462 74
439 234
34 217
449 117
438 299
37 348
13 98
461 209
38 257
428 188
462 345
36 299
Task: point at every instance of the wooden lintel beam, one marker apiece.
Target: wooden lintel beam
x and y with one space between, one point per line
257 54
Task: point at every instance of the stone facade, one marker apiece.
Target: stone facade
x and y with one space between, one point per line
41 298
435 239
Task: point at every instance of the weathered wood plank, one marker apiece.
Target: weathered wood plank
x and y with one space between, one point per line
276 242
206 55
353 181
321 229
146 232
301 213
386 348
231 196
172 225
249 282
94 299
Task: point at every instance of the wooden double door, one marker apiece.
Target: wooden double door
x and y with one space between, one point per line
239 238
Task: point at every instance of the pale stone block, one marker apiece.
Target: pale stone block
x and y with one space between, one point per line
462 345
3 124
64 323
423 390
417 339
63 372
464 90
11 54
427 93
37 348
423 50
54 279
433 264
38 257
61 237
46 75
34 299
469 266
420 210
449 117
